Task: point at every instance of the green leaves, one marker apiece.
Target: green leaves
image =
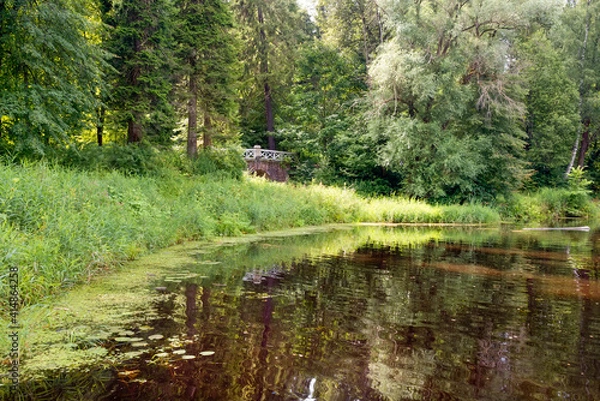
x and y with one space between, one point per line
50 73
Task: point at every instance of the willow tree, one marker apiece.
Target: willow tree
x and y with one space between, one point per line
205 45
50 70
447 107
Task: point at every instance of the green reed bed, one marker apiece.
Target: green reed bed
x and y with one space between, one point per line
550 204
61 226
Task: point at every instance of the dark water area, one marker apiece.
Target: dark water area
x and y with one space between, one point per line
393 314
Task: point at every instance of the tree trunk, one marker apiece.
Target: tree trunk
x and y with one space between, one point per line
379 24
582 55
264 71
207 138
192 137
585 144
100 125
134 129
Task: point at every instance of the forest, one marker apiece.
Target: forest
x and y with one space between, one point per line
449 101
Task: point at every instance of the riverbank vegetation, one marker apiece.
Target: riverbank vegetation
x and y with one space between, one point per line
62 226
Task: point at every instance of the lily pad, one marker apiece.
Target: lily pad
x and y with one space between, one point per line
156 337
126 333
179 352
207 353
133 354
162 355
139 344
128 339
188 357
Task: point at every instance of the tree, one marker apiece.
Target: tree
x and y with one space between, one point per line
552 113
50 69
579 38
353 26
141 41
447 104
206 48
270 32
324 128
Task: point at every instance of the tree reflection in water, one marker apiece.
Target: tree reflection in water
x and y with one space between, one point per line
443 320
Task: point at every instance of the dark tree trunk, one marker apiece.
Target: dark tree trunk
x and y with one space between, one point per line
134 129
269 115
100 125
207 138
192 137
585 143
264 70
134 126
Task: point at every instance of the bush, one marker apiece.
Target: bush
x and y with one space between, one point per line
221 162
146 160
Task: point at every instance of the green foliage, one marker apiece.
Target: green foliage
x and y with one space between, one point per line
219 163
552 116
445 106
126 159
148 160
324 128
354 27
548 204
270 33
49 73
577 181
141 96
208 67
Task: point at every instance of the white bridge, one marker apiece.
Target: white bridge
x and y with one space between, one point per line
257 153
268 163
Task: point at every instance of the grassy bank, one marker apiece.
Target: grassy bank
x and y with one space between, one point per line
61 226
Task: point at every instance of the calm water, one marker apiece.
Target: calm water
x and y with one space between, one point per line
375 314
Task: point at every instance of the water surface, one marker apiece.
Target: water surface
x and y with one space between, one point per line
371 313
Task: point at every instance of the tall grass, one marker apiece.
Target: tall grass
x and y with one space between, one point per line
548 204
60 226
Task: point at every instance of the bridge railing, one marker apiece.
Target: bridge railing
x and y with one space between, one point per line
257 153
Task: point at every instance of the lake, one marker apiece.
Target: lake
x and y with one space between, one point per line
347 313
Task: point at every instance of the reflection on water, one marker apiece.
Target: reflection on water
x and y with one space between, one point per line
514 318
453 315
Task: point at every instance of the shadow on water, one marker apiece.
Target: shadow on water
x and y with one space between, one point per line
364 313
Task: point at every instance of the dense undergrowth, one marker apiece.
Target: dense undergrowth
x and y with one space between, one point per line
61 225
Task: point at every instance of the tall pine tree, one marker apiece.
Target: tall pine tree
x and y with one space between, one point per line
270 32
141 41
205 46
